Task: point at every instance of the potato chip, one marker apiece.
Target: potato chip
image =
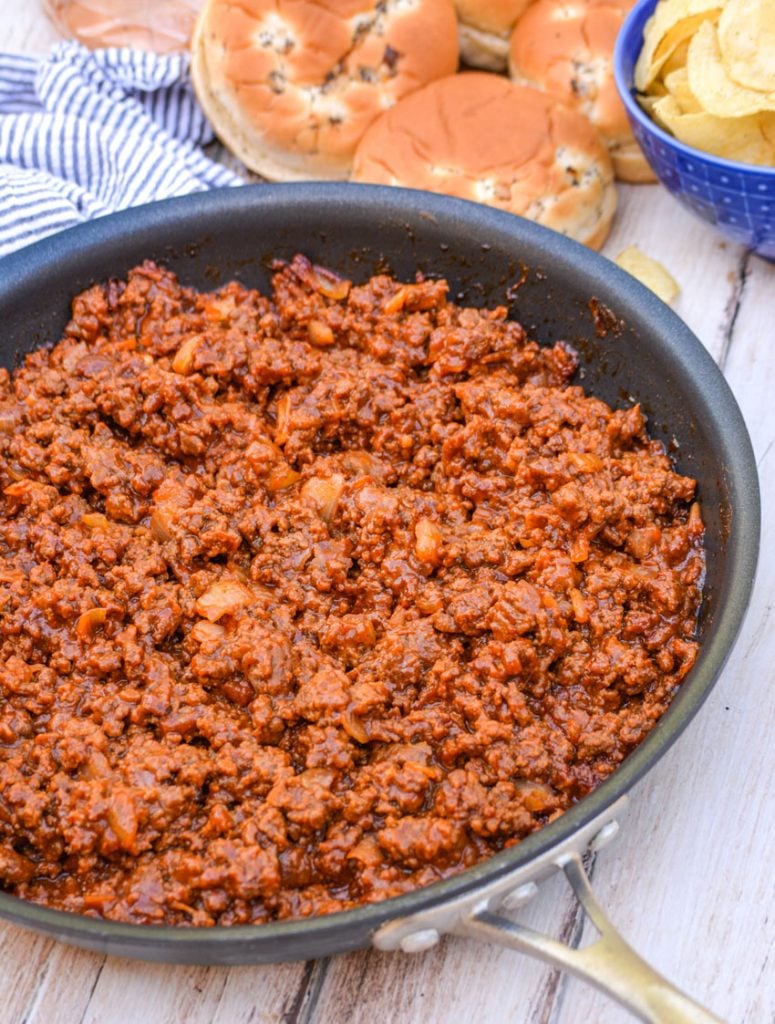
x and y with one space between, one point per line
665 111
649 272
746 35
709 80
677 58
658 89
667 19
682 32
740 138
767 123
677 84
648 102
691 49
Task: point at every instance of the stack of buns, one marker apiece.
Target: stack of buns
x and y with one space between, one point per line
367 90
292 85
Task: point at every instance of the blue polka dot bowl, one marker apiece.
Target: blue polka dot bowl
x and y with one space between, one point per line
738 199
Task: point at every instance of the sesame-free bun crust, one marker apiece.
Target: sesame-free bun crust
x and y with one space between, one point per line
291 85
566 48
484 30
481 137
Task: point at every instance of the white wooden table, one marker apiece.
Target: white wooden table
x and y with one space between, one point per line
689 881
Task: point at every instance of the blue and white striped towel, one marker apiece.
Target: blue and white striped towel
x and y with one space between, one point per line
83 133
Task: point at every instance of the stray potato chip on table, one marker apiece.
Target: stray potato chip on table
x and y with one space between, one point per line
649 272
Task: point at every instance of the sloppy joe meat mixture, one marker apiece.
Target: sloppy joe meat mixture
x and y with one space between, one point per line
311 600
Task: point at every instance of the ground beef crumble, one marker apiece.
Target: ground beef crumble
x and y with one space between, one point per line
310 601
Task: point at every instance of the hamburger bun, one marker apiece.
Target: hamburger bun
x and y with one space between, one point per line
479 136
290 86
484 30
566 48
164 28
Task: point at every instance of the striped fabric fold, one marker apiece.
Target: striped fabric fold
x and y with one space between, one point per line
83 133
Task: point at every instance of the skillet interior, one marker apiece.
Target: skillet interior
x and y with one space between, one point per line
645 354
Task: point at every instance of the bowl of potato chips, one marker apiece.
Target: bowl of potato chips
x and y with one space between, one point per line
697 78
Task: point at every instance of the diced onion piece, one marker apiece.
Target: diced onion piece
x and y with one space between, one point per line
354 728
536 519
223 598
320 334
367 852
95 520
218 311
9 420
330 284
695 523
280 477
362 463
19 489
367 635
429 601
397 301
89 622
580 610
428 538
587 462
210 632
184 357
122 818
184 908
96 766
415 297
549 601
161 525
641 541
282 428
324 492
579 549
536 796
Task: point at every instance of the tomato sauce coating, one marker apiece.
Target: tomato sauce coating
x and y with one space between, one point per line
311 600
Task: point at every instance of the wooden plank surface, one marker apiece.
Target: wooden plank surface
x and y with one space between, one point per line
688 881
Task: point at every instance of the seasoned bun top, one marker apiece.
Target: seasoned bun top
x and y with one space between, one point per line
566 48
479 136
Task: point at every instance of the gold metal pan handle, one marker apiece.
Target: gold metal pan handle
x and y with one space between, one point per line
609 963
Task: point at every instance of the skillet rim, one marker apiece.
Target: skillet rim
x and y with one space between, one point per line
699 374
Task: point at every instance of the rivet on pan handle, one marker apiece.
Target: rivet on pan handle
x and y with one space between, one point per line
609 963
